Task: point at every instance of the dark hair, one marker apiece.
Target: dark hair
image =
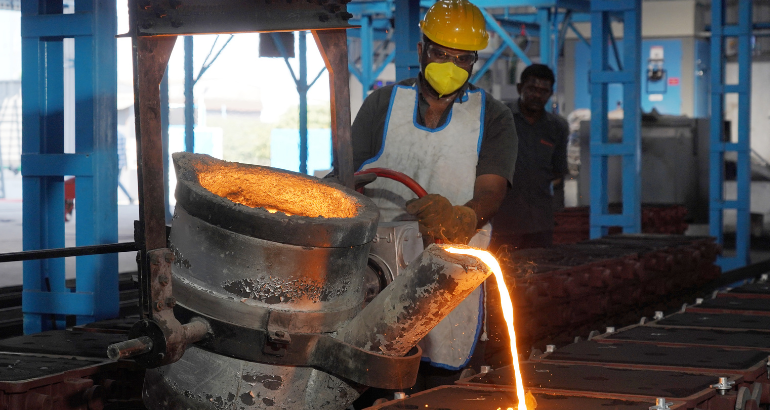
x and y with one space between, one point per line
541 71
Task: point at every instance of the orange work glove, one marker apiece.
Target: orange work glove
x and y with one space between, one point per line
438 219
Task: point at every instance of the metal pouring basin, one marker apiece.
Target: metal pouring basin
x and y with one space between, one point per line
283 296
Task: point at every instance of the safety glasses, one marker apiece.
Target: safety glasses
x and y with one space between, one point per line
464 60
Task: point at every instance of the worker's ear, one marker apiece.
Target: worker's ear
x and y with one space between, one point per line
419 50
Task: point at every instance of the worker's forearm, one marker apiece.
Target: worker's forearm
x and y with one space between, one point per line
485 205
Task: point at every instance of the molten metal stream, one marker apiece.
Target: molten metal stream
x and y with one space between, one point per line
505 300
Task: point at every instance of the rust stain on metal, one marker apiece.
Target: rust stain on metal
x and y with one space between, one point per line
270 382
179 259
247 399
275 191
277 290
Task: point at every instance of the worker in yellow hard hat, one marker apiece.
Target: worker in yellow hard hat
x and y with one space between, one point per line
456 141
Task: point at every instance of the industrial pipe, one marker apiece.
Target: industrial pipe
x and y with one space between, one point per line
397 176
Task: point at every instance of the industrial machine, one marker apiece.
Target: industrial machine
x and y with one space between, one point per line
276 290
271 264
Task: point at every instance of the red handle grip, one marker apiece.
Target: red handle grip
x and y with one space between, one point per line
400 177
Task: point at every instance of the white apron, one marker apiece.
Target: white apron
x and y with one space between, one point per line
443 161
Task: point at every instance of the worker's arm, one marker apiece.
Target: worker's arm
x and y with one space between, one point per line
488 194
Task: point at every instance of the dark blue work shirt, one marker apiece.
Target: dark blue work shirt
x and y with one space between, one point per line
542 157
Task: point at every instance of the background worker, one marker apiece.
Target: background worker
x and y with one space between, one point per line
454 140
525 219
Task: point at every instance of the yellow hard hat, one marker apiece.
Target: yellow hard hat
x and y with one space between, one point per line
456 24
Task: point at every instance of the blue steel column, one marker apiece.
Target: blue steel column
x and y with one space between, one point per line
546 17
302 88
189 99
96 132
46 299
630 147
367 51
718 147
407 33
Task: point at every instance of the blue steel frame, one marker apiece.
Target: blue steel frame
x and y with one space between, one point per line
46 299
548 23
372 17
302 89
408 34
718 146
602 13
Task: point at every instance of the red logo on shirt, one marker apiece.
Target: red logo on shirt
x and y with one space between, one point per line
544 142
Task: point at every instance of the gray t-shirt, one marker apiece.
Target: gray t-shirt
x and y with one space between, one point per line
498 146
542 157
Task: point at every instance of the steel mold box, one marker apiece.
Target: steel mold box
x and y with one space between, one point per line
719 338
715 321
465 397
599 381
748 363
742 305
64 343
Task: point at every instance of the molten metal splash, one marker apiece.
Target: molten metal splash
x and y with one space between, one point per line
276 191
505 300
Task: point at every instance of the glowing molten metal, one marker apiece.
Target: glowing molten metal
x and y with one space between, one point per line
276 191
505 300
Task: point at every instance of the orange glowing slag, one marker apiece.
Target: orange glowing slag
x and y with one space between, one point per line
276 191
505 300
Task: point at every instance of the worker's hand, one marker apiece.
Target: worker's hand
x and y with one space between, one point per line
438 219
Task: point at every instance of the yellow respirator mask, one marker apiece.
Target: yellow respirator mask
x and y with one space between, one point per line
445 78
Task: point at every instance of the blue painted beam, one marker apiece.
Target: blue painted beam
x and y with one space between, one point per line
578 34
629 149
717 203
491 60
384 8
492 23
407 34
63 303
46 298
578 5
388 59
40 165
302 88
57 25
189 96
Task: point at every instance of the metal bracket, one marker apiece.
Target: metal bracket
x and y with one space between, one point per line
723 386
318 350
661 404
278 339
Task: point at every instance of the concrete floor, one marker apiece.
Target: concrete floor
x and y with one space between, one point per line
11 232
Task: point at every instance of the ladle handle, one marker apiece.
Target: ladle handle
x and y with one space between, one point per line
402 178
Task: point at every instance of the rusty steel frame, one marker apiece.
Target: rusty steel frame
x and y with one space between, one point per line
154 27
